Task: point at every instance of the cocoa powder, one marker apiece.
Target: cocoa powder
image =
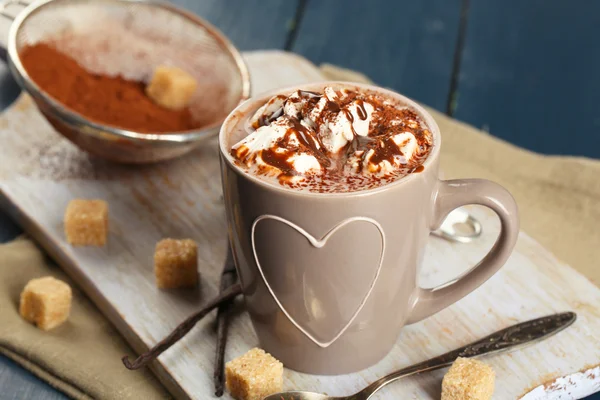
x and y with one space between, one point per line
107 100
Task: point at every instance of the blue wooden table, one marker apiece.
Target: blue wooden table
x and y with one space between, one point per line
523 70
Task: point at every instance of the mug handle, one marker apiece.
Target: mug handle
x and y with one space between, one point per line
449 196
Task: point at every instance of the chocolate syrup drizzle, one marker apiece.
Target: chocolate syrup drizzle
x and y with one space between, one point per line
336 175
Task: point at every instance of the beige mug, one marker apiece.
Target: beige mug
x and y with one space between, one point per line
330 279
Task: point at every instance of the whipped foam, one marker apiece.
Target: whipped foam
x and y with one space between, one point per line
333 140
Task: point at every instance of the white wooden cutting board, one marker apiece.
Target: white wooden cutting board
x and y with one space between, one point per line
40 173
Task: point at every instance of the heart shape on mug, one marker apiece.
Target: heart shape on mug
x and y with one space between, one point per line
319 243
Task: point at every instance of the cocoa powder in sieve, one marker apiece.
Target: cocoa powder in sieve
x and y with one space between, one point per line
112 101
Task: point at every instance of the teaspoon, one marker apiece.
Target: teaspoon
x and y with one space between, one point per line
511 338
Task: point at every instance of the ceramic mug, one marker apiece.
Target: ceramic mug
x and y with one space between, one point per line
329 279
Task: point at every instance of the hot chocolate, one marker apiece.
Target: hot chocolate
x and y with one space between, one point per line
335 141
327 272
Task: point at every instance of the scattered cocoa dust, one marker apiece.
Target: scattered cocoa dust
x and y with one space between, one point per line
34 149
549 380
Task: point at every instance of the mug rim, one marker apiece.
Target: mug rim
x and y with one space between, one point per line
251 105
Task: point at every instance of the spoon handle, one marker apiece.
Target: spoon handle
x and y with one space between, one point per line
510 338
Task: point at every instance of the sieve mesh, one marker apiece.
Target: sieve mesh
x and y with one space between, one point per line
132 38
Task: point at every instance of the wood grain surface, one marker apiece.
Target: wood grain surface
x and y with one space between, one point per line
529 74
405 45
551 34
8 228
250 24
18 384
183 199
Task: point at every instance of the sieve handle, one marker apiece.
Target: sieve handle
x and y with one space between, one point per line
6 19
6 3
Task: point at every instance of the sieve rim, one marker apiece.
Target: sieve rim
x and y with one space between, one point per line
88 127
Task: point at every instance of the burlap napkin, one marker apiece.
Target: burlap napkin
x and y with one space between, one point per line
559 200
82 357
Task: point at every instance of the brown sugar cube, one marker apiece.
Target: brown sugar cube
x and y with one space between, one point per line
254 375
176 263
86 222
468 379
171 87
46 302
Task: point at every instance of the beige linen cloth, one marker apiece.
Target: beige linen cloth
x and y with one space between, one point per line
558 197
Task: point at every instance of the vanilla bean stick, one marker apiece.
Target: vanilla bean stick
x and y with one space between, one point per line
182 329
228 278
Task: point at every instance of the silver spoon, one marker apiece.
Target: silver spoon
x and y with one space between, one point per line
456 217
511 338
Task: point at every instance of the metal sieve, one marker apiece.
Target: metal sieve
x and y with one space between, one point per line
131 38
